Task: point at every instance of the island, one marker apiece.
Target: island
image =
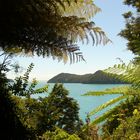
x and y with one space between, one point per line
99 77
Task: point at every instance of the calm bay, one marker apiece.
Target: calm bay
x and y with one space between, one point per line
86 103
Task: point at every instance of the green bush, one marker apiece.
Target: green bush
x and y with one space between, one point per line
124 110
58 134
129 129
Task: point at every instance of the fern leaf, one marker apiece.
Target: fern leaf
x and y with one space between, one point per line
102 117
116 90
129 73
48 27
80 9
110 102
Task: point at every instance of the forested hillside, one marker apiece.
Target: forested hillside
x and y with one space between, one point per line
99 77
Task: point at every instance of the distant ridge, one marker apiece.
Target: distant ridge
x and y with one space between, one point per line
99 77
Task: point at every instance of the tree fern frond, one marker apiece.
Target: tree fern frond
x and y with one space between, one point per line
110 102
96 33
128 73
99 119
102 117
100 36
61 3
47 28
80 9
117 90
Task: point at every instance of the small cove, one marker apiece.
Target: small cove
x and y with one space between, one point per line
86 103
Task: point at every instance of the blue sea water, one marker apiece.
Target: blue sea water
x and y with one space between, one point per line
86 103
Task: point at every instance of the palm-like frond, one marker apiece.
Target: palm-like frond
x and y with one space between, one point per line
99 119
80 9
110 102
125 91
117 90
129 73
41 28
103 117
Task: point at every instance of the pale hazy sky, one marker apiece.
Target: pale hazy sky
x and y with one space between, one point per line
97 57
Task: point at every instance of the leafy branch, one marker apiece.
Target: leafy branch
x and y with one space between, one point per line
22 86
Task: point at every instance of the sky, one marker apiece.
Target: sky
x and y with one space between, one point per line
97 57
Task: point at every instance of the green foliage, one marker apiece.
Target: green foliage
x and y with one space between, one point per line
28 111
36 116
18 115
117 90
134 3
89 132
10 124
115 110
43 28
22 87
123 122
129 73
128 129
59 134
132 27
3 69
110 102
102 118
48 28
59 110
80 8
123 117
